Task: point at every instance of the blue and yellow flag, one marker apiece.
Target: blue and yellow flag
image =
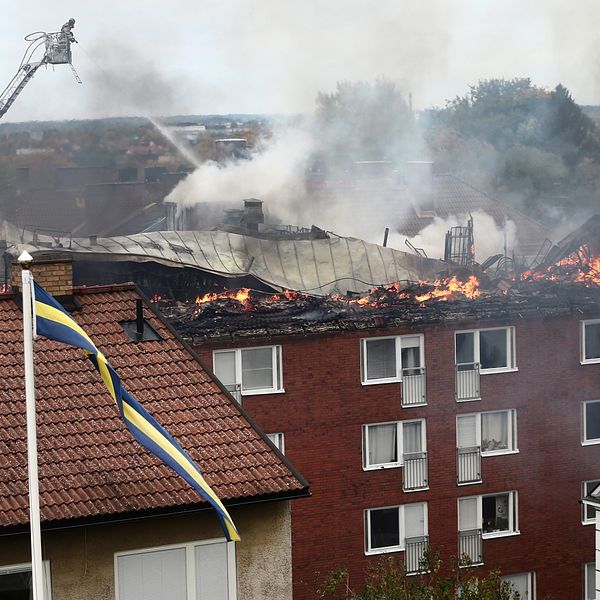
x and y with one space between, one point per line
54 323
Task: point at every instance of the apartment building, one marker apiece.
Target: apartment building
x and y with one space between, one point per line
473 426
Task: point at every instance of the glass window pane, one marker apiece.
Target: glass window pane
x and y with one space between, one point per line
592 340
411 437
467 514
224 367
385 528
492 349
592 421
211 572
494 431
590 581
495 513
467 431
257 369
158 575
590 511
414 519
383 444
381 358
521 583
465 351
16 586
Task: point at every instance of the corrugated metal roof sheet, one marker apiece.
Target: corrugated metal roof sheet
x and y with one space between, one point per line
318 267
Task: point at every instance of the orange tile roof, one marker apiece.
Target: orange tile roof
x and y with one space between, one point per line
90 467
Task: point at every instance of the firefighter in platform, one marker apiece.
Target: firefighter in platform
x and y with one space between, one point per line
67 30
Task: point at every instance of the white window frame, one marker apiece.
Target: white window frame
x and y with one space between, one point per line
26 567
586 491
278 439
584 440
399 444
510 349
586 591
513 514
401 524
276 358
582 357
530 583
512 431
398 345
190 560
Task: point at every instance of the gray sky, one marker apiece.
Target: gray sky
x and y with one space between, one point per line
209 56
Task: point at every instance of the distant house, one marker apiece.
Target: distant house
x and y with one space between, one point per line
116 522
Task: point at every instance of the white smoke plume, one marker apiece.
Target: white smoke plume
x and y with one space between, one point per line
274 175
489 238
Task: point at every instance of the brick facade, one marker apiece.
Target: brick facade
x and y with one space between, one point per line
325 405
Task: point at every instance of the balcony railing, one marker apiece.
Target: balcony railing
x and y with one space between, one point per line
467 382
414 471
413 386
414 550
235 389
468 465
470 546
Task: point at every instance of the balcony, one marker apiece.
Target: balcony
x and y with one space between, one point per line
235 389
470 547
467 382
468 462
414 550
413 387
414 472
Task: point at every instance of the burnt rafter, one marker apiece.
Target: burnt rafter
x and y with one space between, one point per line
224 316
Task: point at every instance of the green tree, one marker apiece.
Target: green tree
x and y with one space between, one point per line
364 121
388 581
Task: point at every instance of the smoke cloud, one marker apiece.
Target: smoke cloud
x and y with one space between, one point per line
489 238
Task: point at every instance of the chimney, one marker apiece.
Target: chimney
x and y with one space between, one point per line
253 214
52 270
419 178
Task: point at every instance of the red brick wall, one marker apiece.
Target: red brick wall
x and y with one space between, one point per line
324 406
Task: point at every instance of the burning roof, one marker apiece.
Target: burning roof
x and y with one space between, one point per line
571 285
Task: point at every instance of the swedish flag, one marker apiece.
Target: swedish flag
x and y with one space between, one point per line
54 323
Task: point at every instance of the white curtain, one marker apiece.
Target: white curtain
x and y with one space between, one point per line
494 431
381 358
467 514
411 437
224 367
466 431
414 519
383 444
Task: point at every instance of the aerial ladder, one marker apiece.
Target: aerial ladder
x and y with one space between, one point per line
57 51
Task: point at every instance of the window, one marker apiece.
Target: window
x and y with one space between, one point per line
589 581
591 422
492 349
386 444
590 341
205 569
588 511
523 583
279 440
16 581
387 529
494 432
253 370
494 514
386 359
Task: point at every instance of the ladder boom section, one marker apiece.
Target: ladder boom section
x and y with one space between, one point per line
15 87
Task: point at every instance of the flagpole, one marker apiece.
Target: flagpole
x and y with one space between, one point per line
32 466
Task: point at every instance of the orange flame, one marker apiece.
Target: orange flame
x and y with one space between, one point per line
578 267
444 289
241 296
